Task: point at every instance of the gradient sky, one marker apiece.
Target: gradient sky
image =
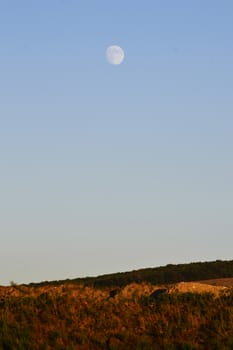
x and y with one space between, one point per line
113 168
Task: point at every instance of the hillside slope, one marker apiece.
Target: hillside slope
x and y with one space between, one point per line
141 310
188 315
159 275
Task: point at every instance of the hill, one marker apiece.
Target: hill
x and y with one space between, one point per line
116 315
159 275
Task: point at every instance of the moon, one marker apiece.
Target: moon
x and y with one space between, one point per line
115 55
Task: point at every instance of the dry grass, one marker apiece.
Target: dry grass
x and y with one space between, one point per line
128 292
225 282
77 317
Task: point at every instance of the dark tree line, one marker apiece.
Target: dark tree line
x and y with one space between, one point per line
159 275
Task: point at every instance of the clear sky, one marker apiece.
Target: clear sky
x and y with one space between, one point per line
112 168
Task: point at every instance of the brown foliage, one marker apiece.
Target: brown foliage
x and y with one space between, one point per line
189 316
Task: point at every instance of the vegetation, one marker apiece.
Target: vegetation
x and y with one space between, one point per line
159 275
94 316
78 317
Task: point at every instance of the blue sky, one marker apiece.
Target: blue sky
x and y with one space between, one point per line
112 168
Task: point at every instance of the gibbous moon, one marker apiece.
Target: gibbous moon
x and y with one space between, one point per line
115 54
